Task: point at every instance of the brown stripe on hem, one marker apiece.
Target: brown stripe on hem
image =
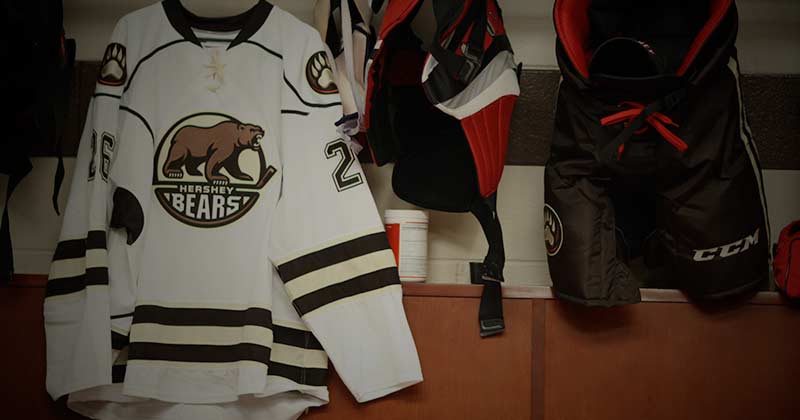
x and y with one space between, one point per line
203 317
196 353
333 255
118 374
96 239
357 285
65 286
68 285
296 338
118 341
300 375
96 276
74 248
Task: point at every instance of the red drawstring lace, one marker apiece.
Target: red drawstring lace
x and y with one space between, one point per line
656 120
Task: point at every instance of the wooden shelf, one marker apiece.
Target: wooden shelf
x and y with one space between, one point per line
540 292
661 359
509 292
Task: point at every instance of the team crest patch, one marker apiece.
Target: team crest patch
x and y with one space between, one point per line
208 169
112 70
553 231
320 74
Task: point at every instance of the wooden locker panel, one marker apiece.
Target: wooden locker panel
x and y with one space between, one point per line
22 358
655 360
671 361
466 377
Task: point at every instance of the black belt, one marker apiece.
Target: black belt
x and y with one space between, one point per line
490 313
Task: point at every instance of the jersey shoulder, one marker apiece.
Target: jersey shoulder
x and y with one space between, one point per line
287 33
141 21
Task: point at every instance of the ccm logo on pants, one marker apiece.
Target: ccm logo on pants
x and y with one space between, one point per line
728 250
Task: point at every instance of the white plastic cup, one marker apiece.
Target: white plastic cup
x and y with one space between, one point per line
407 231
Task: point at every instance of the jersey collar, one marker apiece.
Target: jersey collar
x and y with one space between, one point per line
246 23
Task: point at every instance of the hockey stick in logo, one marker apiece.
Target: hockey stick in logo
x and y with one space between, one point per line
267 171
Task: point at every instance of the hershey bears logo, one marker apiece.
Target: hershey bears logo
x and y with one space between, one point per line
553 231
320 74
112 69
209 168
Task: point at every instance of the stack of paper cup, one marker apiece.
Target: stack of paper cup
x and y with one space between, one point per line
408 235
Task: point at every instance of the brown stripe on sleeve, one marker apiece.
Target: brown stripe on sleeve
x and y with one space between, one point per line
333 255
357 285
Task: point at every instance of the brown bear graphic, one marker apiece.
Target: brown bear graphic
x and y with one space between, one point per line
218 146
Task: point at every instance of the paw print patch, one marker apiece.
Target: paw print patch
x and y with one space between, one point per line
112 69
320 74
553 231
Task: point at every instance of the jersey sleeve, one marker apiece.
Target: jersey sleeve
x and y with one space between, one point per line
328 242
77 298
130 190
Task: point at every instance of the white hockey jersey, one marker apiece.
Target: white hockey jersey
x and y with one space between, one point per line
220 242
